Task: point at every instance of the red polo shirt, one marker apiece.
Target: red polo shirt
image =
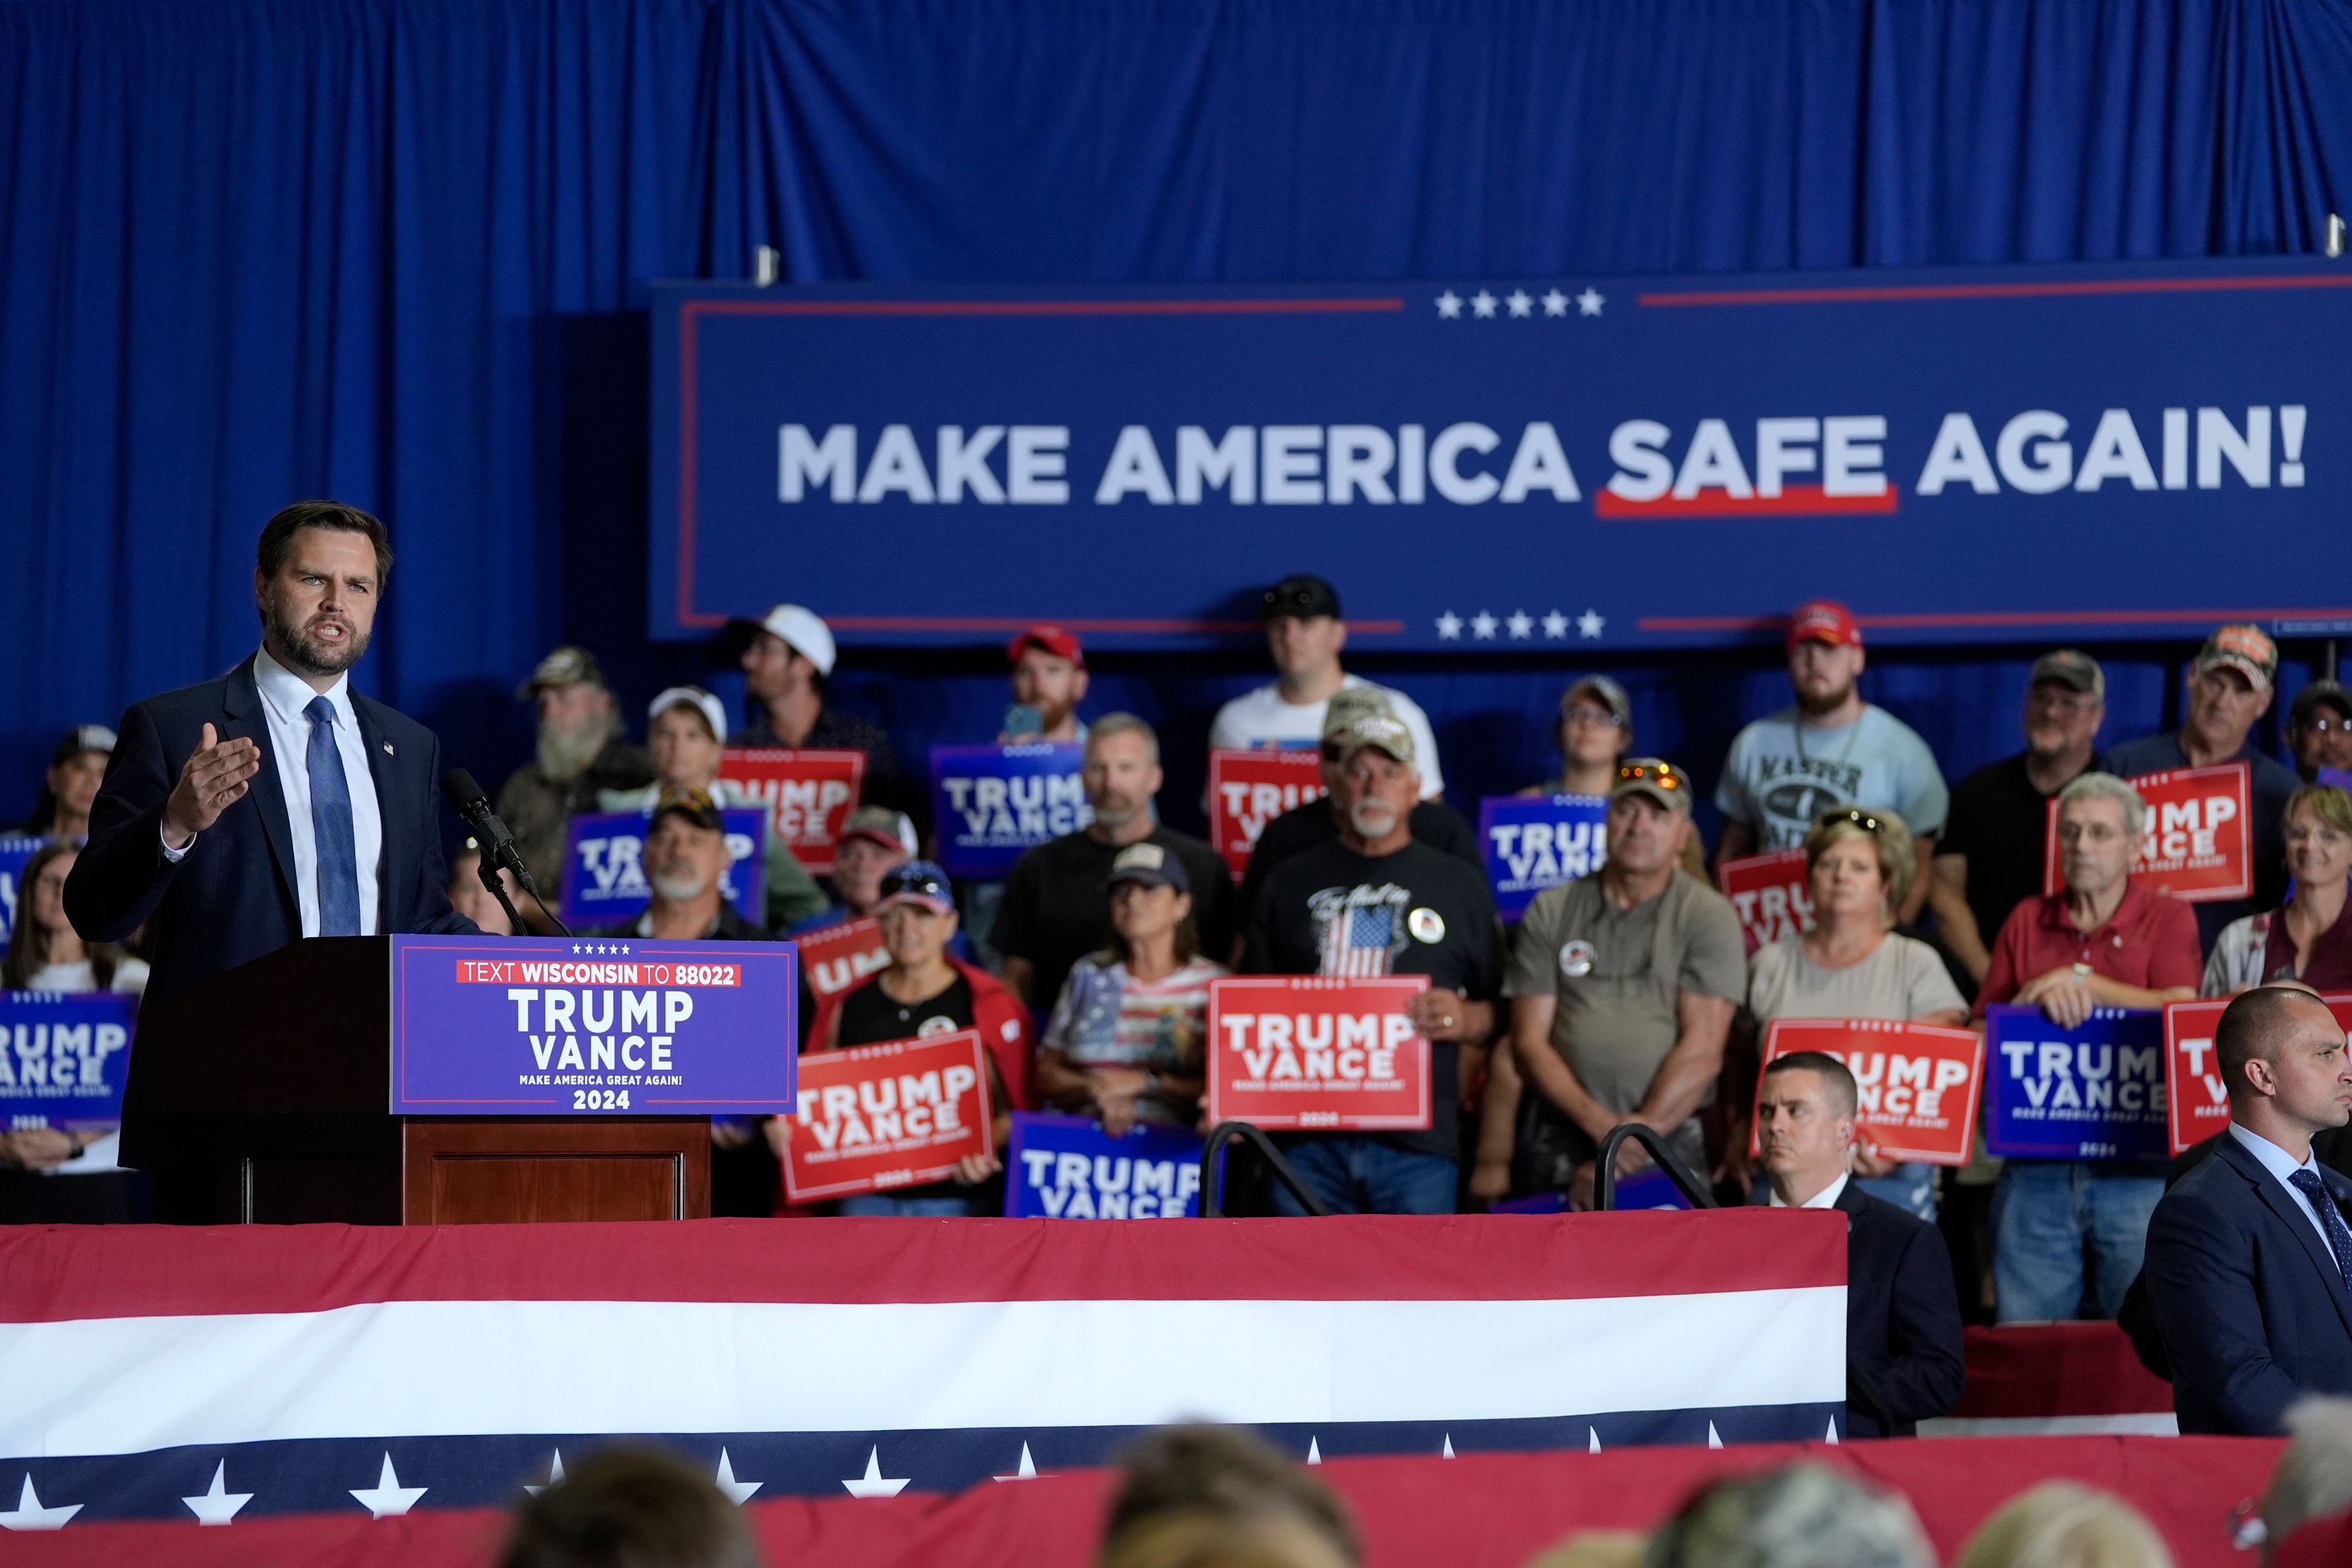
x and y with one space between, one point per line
2149 942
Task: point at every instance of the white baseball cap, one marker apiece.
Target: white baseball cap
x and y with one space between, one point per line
804 632
696 698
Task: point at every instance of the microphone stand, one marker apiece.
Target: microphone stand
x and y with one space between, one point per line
488 873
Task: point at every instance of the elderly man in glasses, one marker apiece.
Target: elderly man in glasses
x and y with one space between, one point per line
2101 939
1623 986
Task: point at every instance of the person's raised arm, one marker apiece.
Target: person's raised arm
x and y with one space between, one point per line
146 819
1956 922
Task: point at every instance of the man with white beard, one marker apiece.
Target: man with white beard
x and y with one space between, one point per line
582 750
686 856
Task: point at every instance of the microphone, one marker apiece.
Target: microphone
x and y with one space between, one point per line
473 807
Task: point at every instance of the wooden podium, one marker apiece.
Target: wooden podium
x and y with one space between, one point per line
260 1098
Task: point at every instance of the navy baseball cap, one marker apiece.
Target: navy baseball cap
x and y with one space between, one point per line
917 882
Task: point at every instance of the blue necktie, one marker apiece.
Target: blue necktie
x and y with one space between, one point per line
2339 1235
330 827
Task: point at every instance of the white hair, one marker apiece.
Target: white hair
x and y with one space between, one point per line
2106 786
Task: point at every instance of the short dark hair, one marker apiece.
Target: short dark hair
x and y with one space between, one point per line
630 1506
2251 1027
277 540
1837 1079
1223 1471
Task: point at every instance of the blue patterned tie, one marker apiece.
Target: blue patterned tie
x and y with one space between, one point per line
330 827
2339 1235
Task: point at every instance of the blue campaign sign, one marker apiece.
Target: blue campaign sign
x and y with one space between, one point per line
1067 1167
991 803
64 1058
1513 462
1534 842
2094 1092
15 848
604 875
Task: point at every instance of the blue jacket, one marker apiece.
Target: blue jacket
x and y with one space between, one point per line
2251 1307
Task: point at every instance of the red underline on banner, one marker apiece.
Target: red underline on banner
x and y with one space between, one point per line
1985 290
1038 307
1990 618
1021 623
1795 500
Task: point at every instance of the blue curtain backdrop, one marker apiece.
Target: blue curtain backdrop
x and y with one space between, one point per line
396 251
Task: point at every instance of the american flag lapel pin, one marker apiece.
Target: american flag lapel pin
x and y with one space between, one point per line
388 751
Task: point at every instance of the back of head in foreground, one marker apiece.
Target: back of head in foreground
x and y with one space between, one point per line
1804 1516
2307 1507
1196 1496
2061 1525
630 1508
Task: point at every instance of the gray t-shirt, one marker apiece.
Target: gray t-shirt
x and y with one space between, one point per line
1902 978
1617 975
1779 775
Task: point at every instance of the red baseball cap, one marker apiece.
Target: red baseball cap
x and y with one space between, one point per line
1825 620
1053 639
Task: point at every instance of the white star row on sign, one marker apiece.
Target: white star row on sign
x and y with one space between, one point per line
1518 303
1519 625
28 1513
874 1483
217 1505
388 1499
600 947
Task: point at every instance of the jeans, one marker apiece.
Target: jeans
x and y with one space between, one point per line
2042 1211
1910 1187
1364 1176
882 1204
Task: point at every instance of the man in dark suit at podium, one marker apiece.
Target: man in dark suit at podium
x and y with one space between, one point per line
272 802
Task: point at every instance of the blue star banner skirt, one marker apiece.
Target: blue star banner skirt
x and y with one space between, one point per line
221 1374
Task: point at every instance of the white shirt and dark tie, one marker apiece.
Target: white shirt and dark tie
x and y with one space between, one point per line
1825 1199
290 707
2285 1171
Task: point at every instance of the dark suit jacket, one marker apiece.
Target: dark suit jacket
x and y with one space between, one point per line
231 899
2253 1310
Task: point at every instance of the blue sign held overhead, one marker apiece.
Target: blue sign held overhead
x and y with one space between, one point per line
1534 842
1067 1167
64 1058
605 874
15 848
2091 1092
991 802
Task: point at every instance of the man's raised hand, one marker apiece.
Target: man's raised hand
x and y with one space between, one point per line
216 776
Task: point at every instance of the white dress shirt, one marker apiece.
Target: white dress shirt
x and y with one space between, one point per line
1825 1199
2281 1167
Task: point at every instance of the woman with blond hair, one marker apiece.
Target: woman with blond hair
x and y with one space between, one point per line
2309 938
2061 1525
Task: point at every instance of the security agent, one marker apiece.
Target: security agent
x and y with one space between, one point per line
1902 1313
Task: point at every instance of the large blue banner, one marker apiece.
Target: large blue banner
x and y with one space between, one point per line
1067 1167
1534 842
2091 1092
991 803
1500 463
15 848
64 1058
605 874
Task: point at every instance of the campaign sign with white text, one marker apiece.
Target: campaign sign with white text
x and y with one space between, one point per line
604 872
2095 1092
1534 842
15 848
2195 847
1917 1082
1248 789
520 1025
1067 1167
1299 1051
991 803
2199 1100
839 956
875 1117
1772 892
64 1058
809 795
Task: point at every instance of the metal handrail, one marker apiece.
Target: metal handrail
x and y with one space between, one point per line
1604 1175
1225 1133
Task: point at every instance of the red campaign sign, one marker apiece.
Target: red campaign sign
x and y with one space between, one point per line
838 957
2194 848
2197 1101
1296 1051
1918 1083
810 795
1772 892
1248 789
875 1117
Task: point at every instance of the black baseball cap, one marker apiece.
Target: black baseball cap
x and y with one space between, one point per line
1302 595
2331 693
695 805
92 738
1152 865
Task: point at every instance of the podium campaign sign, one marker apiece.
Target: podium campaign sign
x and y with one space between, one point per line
1248 789
64 1058
809 795
1067 1167
604 872
1773 894
1299 1051
991 803
487 1025
2194 845
15 848
839 956
2196 1098
872 1118
2093 1092
1533 842
1918 1083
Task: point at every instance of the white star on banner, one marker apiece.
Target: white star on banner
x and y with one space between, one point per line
1554 624
554 1476
1482 305
1522 624
1314 1451
1026 1470
1449 306
1521 302
575 947
1588 624
1449 626
1588 303
1592 1440
737 1492
388 1499
1555 303
1482 625
1833 1436
874 1483
218 1505
29 1514
1449 1447
1713 1439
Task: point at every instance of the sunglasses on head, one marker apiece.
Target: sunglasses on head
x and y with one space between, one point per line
1299 602
1661 775
1861 819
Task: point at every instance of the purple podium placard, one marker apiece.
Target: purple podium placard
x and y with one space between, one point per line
489 1025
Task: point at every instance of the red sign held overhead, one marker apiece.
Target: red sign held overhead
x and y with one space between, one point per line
1918 1083
1248 789
2196 845
1294 1051
873 1118
838 957
1774 893
2196 1097
809 795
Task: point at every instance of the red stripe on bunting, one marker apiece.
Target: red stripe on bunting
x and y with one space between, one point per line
120 1272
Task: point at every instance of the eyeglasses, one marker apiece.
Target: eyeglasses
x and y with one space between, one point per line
1595 717
1660 774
